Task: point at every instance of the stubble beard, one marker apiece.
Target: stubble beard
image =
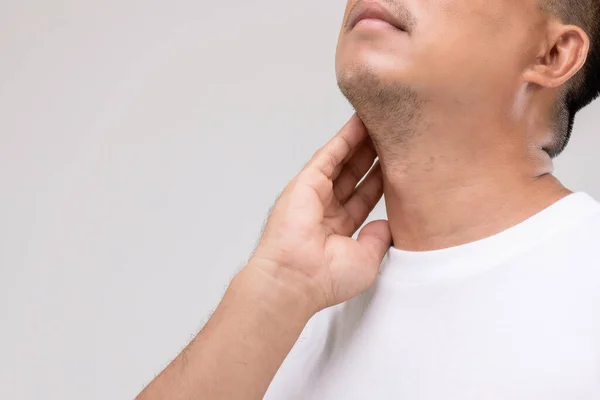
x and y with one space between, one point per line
391 111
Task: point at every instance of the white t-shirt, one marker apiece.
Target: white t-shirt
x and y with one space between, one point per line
512 316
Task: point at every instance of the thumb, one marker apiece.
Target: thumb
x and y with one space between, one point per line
376 239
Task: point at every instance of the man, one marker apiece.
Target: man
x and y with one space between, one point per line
491 286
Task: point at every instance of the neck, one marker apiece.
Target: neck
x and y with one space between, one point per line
454 183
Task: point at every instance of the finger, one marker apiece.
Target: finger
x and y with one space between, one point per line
365 197
376 239
364 141
353 171
330 158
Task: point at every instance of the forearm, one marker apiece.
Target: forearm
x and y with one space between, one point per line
306 261
242 346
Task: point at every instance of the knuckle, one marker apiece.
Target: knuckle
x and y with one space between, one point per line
318 153
332 160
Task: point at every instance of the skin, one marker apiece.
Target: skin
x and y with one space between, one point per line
460 132
305 261
467 160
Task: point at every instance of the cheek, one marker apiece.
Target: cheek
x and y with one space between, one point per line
462 32
463 55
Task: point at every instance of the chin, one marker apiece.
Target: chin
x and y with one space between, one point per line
376 90
366 63
363 77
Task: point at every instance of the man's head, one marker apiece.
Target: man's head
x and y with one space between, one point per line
523 61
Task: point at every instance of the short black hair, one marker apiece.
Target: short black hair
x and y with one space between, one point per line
584 87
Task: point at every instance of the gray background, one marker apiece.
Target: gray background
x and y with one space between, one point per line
141 146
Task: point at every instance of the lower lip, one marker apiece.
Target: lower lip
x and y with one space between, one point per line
372 23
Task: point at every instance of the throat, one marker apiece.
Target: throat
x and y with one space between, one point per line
427 216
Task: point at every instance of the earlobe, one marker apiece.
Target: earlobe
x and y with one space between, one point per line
565 54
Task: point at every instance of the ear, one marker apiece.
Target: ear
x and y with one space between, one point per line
563 54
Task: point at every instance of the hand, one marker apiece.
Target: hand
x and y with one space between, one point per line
307 243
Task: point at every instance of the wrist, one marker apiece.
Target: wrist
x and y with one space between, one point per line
280 288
